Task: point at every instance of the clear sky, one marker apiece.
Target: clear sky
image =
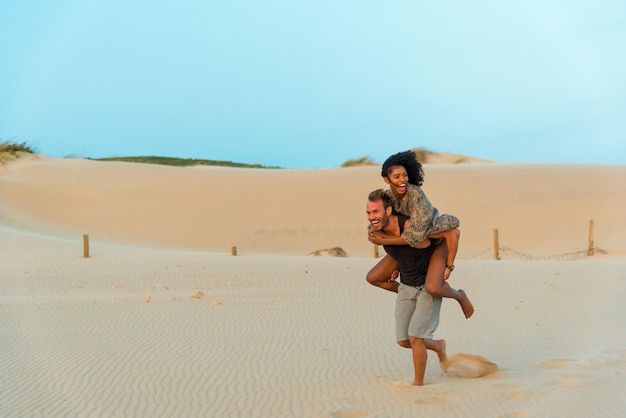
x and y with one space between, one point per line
306 84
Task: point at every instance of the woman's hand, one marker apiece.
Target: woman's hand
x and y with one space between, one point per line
375 237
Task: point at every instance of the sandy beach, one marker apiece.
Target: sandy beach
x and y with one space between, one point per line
161 320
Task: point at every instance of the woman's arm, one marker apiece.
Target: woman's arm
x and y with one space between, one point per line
383 238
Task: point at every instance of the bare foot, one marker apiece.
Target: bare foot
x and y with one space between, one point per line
466 305
394 276
443 356
442 351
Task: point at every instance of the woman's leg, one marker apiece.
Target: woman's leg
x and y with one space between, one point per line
382 274
452 240
437 286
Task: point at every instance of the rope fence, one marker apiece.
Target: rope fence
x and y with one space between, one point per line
500 252
497 252
505 253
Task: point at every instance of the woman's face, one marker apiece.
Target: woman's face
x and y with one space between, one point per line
397 180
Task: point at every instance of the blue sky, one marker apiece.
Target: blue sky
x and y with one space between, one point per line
311 84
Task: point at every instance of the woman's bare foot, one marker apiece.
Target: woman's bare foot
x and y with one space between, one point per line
466 305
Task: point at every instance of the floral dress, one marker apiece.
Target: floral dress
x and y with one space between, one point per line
425 218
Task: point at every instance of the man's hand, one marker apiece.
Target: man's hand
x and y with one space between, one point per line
394 276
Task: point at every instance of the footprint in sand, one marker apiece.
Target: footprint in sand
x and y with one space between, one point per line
619 353
580 369
578 373
511 389
514 394
568 383
346 413
577 376
608 359
428 394
556 364
509 386
468 365
436 400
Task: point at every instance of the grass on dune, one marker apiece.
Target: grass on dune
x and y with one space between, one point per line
422 155
10 150
181 162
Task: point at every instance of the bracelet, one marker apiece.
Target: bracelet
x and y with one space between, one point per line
450 267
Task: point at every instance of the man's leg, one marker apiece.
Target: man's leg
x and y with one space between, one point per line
419 359
417 313
438 346
424 322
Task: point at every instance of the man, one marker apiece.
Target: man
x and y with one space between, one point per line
417 311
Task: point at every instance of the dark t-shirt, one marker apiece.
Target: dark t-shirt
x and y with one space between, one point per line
412 262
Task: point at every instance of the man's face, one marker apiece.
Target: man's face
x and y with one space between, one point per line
376 214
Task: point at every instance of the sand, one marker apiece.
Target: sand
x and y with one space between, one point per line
161 319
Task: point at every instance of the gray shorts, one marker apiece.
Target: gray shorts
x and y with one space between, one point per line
417 313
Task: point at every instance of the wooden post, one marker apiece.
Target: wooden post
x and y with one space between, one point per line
590 251
85 246
496 244
233 250
375 251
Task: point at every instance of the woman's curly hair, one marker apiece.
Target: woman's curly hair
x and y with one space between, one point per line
408 160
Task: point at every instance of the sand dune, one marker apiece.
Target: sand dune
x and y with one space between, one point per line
162 321
539 210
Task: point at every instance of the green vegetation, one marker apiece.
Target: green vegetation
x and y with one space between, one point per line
181 162
12 150
422 154
359 162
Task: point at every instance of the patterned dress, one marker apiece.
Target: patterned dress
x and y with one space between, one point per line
425 218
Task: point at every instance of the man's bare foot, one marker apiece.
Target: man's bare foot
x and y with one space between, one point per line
441 353
466 305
